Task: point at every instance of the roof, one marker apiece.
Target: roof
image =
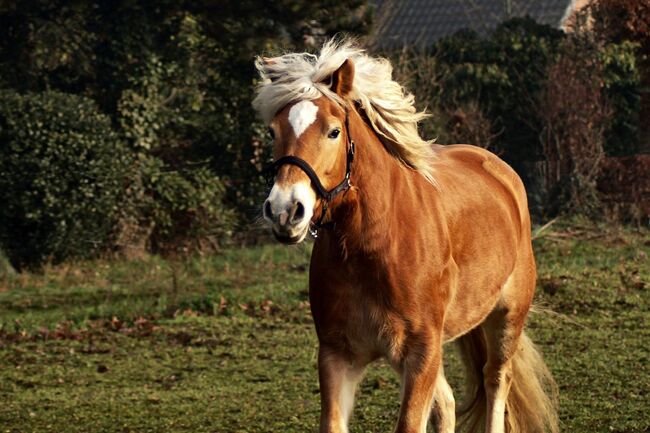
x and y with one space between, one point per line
422 22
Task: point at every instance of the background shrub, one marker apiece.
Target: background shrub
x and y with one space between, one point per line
62 174
176 202
575 114
622 88
511 91
176 80
172 211
504 73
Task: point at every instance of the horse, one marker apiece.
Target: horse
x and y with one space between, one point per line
417 245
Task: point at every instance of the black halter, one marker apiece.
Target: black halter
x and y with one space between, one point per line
326 195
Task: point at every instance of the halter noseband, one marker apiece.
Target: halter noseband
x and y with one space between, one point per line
326 195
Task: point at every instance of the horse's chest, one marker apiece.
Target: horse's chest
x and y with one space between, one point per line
359 323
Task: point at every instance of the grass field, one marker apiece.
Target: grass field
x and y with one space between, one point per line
225 343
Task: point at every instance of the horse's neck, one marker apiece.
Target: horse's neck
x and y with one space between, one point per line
366 219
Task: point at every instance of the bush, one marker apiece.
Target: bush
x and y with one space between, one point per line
522 92
173 211
622 83
505 73
175 203
575 115
62 172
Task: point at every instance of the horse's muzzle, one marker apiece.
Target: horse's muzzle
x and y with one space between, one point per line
288 211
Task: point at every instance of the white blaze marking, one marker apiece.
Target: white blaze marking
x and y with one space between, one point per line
301 116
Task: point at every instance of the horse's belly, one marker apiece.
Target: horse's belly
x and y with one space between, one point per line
462 318
475 295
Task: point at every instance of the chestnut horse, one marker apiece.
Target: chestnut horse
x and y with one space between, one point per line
417 245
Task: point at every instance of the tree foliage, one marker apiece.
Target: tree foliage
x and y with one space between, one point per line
507 71
575 115
62 173
627 22
175 79
535 95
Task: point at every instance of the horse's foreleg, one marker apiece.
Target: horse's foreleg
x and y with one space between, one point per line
338 382
419 376
445 406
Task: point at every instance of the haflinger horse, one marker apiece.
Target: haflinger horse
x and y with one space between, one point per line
418 244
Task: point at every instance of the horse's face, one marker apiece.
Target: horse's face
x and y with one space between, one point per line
314 131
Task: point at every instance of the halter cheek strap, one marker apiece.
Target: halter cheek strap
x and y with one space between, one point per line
326 195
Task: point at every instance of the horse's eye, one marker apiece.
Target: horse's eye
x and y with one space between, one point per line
271 133
334 133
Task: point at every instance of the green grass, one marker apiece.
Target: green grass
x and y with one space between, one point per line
225 343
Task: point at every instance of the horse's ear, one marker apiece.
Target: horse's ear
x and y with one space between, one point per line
343 78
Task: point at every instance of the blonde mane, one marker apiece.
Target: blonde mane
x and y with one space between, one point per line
389 106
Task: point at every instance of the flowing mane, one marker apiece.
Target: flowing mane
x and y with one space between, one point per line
389 106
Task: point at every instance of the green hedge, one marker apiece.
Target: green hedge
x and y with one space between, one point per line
62 174
506 71
493 87
182 210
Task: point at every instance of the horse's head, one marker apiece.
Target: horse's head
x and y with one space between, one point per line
308 100
314 133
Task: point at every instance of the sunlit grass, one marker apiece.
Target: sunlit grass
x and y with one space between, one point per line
224 343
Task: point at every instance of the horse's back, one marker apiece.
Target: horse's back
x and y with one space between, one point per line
471 177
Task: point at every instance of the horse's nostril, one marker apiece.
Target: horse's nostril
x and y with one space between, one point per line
267 210
300 212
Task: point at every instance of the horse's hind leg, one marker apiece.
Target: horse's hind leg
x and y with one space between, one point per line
501 338
445 406
502 330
